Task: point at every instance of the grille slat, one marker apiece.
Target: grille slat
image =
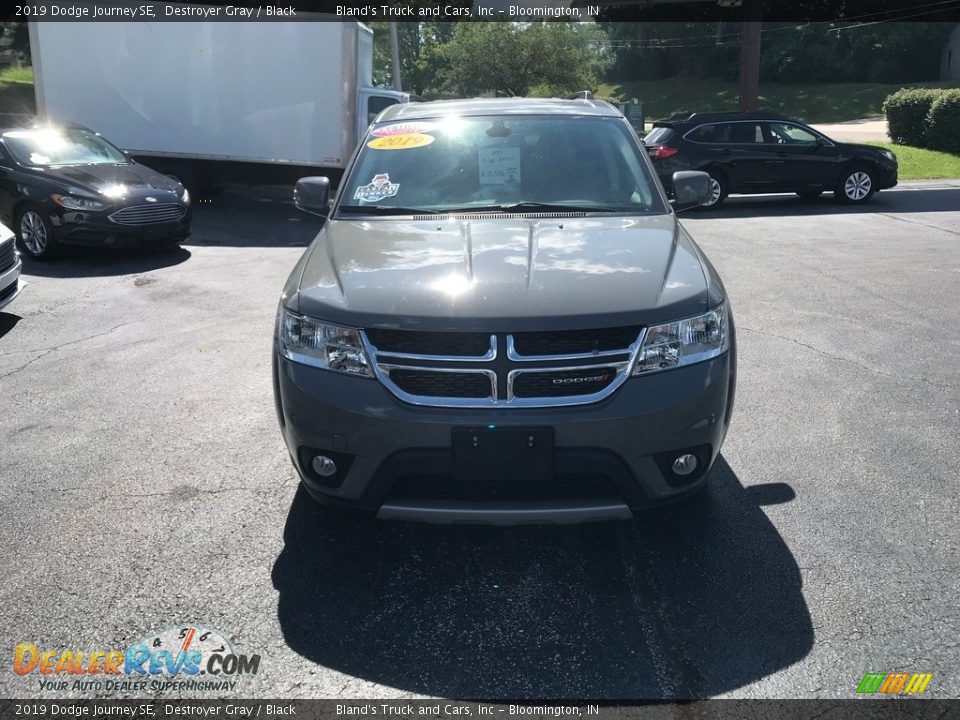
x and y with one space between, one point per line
8 254
149 214
582 381
569 342
460 344
426 383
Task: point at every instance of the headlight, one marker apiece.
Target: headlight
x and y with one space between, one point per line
330 347
890 156
75 203
683 342
185 197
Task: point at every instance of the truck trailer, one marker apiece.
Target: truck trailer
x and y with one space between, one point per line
215 102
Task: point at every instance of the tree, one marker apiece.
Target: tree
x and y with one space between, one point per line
513 59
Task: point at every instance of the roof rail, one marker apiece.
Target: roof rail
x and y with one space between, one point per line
688 117
581 95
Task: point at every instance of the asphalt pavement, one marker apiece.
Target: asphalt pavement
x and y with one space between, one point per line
146 484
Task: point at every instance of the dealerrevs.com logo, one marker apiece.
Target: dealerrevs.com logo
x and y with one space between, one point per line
897 683
181 658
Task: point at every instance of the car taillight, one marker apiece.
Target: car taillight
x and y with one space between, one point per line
662 152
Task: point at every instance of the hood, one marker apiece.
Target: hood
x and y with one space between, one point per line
502 274
138 180
857 149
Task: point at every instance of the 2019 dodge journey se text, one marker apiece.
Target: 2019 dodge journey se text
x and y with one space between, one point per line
502 321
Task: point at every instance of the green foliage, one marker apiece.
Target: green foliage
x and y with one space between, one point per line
419 61
513 59
943 122
906 112
12 74
840 52
922 164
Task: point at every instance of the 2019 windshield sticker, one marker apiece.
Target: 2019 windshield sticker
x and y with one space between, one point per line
378 189
404 128
402 141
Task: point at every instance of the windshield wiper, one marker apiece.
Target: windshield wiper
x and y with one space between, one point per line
384 210
521 207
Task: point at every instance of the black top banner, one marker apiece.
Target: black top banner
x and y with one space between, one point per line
495 10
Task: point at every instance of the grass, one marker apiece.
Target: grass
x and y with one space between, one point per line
17 75
922 164
808 103
16 91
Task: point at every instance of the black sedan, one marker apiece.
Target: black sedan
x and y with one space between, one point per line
753 153
67 185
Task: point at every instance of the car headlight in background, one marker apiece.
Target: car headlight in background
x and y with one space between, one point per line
185 197
331 347
683 342
76 203
889 155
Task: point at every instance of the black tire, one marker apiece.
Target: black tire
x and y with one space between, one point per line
855 186
719 188
810 194
35 233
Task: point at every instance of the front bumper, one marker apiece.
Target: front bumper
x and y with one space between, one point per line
10 283
382 440
886 177
95 229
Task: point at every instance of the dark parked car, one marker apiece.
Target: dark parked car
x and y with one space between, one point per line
69 185
753 153
487 329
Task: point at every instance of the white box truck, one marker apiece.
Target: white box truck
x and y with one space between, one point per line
215 102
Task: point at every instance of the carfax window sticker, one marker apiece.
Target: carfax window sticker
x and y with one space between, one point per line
379 188
499 165
402 141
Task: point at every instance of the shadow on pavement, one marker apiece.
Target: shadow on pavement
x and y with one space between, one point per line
688 601
945 199
8 322
101 262
258 216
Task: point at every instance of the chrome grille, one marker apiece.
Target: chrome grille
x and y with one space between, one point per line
149 214
8 254
488 370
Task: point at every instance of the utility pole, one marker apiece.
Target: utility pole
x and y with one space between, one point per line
395 56
750 56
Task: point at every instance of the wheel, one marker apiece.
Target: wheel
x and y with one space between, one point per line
810 194
718 190
855 186
35 233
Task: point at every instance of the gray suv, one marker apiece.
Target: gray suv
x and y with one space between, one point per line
502 321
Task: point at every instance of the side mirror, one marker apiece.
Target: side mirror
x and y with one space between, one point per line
691 188
312 195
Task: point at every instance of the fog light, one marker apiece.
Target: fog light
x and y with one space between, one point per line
685 464
323 466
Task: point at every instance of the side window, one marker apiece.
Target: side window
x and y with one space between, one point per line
711 134
704 134
377 104
790 134
746 133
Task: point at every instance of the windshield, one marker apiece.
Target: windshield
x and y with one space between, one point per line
521 163
61 146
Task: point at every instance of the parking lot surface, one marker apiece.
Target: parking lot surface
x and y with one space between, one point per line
146 484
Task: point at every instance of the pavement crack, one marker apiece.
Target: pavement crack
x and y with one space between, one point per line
922 224
47 351
839 358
